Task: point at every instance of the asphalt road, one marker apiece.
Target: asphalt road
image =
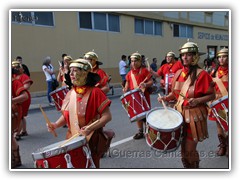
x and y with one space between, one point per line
124 152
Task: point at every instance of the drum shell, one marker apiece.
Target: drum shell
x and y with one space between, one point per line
58 96
54 154
170 139
137 104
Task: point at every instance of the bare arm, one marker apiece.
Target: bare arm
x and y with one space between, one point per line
21 98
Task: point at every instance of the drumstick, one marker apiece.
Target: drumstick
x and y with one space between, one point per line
60 64
47 120
78 134
164 105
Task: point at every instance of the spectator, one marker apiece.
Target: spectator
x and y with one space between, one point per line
25 68
123 69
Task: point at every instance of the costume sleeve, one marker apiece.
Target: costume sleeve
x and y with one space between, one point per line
17 88
203 84
160 71
103 76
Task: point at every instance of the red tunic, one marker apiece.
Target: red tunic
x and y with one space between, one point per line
103 77
140 75
17 89
167 69
202 86
25 79
97 103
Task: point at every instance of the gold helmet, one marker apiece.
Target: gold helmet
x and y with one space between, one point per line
191 47
92 55
136 56
16 63
82 64
171 54
222 52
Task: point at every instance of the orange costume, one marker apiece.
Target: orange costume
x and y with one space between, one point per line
103 77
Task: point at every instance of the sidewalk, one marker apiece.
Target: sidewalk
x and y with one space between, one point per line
43 101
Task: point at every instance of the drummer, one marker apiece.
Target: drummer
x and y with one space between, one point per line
172 66
220 77
138 77
92 57
192 88
93 102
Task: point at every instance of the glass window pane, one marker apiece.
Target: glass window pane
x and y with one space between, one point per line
22 17
148 27
175 30
189 31
183 31
113 22
44 18
139 26
100 21
85 20
158 28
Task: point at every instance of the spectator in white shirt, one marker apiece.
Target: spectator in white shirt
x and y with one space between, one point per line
123 69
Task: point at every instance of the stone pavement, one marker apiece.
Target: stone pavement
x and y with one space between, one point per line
43 101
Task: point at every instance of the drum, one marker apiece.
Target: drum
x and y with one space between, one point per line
135 104
58 96
168 82
164 129
219 109
73 154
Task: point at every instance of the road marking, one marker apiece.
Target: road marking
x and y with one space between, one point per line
121 141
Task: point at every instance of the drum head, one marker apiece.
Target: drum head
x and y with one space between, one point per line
59 148
164 120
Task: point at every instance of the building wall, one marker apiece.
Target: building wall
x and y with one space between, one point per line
34 43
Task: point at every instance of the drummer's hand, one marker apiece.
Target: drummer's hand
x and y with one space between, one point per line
193 102
160 99
51 127
142 85
124 90
85 131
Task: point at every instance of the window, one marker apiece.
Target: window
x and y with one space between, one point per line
34 18
148 27
180 30
99 21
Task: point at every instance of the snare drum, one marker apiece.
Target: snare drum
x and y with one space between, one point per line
219 110
58 96
73 154
135 104
164 129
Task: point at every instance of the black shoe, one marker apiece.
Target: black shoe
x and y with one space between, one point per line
139 135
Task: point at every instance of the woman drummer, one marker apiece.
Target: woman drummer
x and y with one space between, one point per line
83 105
220 77
192 87
138 77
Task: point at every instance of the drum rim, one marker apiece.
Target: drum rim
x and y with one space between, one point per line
164 130
129 92
135 118
165 151
58 89
54 151
218 101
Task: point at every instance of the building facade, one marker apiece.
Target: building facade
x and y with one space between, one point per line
39 33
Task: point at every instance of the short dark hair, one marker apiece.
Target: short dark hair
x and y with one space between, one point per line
63 55
124 56
18 57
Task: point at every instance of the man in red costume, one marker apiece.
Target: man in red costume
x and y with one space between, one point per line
27 82
167 71
19 95
220 77
92 57
192 87
138 77
83 105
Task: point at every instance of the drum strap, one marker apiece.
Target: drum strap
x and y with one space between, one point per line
221 86
135 85
77 111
